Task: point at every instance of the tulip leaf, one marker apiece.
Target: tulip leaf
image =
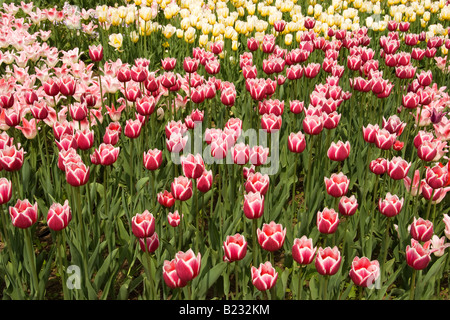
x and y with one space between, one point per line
210 278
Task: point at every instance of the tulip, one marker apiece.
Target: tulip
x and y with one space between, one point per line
11 159
146 105
174 219
384 140
106 154
337 184
152 159
364 272
193 166
133 128
253 205
313 124
417 256
168 63
327 221
77 174
112 133
235 248
378 166
296 106
204 182
181 188
143 224
258 155
265 277
187 265
436 177
67 86
96 53
176 143
23 214
339 151
348 206
84 139
51 87
328 260
166 199
398 168
240 153
5 190
296 142
59 216
421 229
446 221
303 251
170 275
149 244
190 65
391 205
271 236
438 245
370 133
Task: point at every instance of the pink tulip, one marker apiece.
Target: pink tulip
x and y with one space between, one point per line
253 205
337 185
398 168
174 219
193 166
348 206
421 229
265 277
271 236
77 174
364 272
181 188
328 260
59 216
327 221
166 199
5 190
391 205
143 224
149 244
235 248
339 151
187 265
303 251
170 275
152 159
23 214
418 256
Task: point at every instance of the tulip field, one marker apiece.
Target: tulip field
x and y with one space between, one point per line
225 150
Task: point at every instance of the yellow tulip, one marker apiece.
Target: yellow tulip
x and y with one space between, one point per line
129 19
203 40
189 34
180 33
234 45
116 40
134 36
288 39
145 13
169 31
427 16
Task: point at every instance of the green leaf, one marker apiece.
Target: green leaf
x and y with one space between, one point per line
210 278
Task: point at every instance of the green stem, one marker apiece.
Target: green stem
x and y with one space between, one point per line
413 285
32 263
61 266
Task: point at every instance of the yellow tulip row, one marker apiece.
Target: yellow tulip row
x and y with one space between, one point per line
214 20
